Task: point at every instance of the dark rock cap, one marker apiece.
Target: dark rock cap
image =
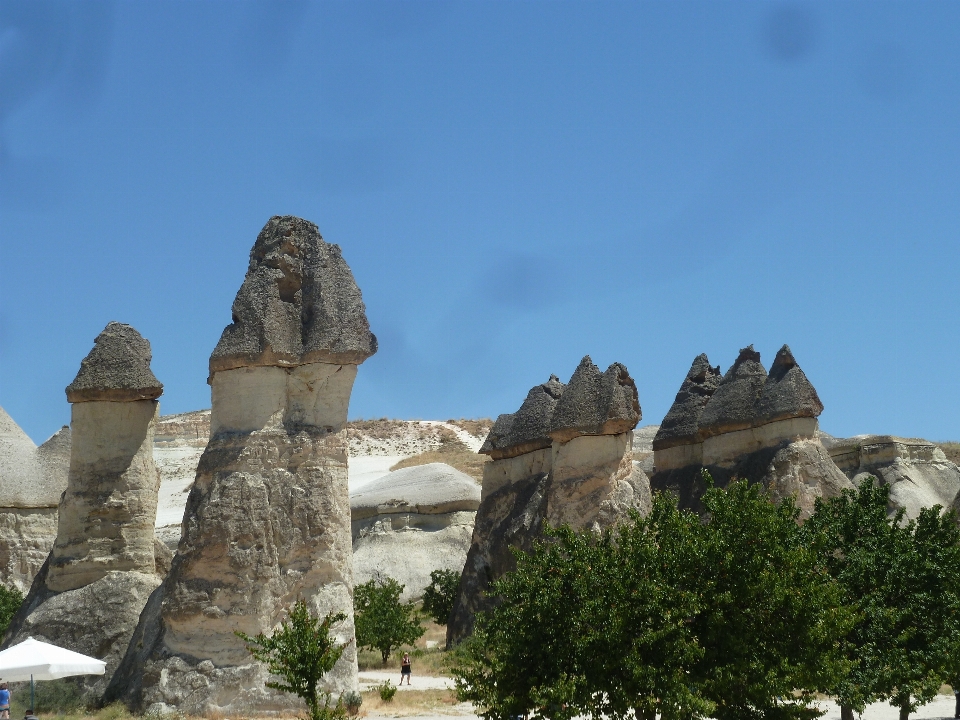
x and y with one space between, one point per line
298 304
528 428
680 425
787 393
595 404
732 406
117 369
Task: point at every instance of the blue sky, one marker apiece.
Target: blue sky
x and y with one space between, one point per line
515 185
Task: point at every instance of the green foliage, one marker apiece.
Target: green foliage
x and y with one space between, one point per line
382 622
65 696
387 690
902 580
352 700
666 614
300 652
10 601
440 595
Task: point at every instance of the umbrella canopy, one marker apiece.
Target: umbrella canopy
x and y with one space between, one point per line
43 661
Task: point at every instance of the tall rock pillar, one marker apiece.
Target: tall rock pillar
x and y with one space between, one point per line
89 594
268 519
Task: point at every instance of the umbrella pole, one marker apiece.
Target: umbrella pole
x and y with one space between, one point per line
32 710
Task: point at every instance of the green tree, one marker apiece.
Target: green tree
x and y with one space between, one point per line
384 623
666 614
772 617
901 579
10 601
301 651
440 594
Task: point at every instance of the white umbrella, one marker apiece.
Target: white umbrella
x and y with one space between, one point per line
33 659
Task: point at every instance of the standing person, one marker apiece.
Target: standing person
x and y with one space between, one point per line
4 702
405 669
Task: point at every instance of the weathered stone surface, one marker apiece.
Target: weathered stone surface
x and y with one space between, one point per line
117 369
31 482
917 471
110 505
801 468
595 403
787 393
510 517
681 425
411 522
97 620
594 482
429 489
527 429
733 404
298 304
267 522
507 471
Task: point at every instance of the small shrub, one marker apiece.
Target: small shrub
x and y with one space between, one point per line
10 601
387 690
352 700
440 594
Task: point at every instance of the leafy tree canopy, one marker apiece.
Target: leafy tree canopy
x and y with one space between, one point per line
10 601
300 652
384 623
440 594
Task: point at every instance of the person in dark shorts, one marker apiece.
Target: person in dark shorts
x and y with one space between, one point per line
4 701
405 671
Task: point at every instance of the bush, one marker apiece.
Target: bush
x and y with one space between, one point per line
301 652
440 595
10 601
387 690
382 622
352 700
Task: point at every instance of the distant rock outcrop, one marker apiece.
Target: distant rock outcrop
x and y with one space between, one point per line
749 425
32 480
89 593
584 476
411 522
268 517
917 471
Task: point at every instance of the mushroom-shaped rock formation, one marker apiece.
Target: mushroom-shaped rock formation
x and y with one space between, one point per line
787 393
411 522
267 520
117 369
527 429
732 406
595 403
298 304
682 422
90 591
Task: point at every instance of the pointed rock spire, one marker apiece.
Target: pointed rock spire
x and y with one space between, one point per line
732 406
595 403
527 429
787 393
117 369
680 426
298 304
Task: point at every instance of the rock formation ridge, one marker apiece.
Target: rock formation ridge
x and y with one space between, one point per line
568 461
267 520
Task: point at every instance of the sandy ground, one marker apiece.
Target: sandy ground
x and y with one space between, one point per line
371 678
941 707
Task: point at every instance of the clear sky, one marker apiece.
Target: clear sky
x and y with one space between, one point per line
514 184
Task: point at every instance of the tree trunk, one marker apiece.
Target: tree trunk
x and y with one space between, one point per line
904 704
846 712
385 654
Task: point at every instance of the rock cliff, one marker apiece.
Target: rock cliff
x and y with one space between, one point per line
267 520
89 593
584 476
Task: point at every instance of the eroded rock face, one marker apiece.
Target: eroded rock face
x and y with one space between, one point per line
31 482
753 425
267 520
682 423
91 589
528 429
585 479
917 471
411 522
298 304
